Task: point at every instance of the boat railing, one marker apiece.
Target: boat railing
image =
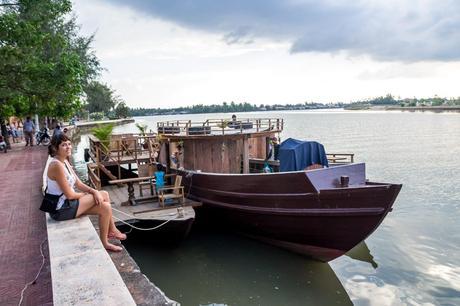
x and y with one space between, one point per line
220 126
93 176
340 158
122 147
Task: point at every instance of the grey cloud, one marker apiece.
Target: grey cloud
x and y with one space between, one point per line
392 30
239 36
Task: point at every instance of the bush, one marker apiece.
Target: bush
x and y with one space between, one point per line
96 116
103 132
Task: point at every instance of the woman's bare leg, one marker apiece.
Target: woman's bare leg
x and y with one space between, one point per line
104 211
114 232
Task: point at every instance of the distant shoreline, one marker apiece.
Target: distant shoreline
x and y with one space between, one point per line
409 108
425 108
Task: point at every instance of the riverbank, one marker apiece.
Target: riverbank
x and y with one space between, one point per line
26 235
436 109
425 108
85 126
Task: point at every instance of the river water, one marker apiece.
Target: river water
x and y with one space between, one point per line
413 258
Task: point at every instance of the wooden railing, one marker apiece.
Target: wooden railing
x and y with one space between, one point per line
123 145
340 158
93 177
220 126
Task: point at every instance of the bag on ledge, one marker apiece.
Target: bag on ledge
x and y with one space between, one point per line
50 202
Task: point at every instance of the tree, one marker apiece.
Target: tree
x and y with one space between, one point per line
44 62
99 97
122 111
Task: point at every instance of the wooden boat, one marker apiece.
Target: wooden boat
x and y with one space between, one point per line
172 222
322 213
125 162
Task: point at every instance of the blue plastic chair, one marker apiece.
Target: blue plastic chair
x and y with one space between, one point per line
160 179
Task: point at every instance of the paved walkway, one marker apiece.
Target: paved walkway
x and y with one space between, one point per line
23 227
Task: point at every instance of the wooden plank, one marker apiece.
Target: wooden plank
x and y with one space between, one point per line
107 171
245 155
132 180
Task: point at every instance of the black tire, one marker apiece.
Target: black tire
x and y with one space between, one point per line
46 141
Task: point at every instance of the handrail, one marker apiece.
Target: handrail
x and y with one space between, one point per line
120 145
220 126
340 158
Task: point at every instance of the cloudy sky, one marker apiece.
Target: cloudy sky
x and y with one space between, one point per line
168 53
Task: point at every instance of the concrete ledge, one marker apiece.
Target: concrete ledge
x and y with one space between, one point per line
82 273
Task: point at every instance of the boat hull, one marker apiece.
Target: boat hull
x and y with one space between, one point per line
305 212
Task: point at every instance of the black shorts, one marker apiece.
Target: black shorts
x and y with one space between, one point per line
68 211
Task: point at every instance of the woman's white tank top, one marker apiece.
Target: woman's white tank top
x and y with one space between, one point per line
53 186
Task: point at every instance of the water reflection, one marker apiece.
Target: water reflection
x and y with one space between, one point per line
362 253
416 247
215 267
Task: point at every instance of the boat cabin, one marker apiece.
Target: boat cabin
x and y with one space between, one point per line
238 146
218 145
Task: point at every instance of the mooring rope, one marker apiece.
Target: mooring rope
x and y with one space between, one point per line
144 229
176 216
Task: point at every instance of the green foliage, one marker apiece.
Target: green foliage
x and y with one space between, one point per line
414 102
103 132
142 128
122 111
99 97
96 116
223 124
228 108
44 62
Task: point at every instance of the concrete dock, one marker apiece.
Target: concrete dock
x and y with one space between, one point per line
77 270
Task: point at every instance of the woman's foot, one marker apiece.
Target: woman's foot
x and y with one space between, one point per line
117 235
113 248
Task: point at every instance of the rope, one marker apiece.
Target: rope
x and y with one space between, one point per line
176 216
134 217
36 277
144 229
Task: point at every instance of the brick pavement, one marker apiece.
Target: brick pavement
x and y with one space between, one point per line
23 227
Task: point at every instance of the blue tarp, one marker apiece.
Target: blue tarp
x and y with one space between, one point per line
295 155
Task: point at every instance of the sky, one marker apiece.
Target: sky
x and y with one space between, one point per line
170 53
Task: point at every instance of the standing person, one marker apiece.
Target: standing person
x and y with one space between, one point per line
14 132
20 131
29 130
57 130
62 180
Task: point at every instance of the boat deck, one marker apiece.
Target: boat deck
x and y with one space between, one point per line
149 209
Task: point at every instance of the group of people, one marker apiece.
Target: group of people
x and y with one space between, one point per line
20 131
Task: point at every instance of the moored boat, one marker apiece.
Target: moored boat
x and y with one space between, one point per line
322 212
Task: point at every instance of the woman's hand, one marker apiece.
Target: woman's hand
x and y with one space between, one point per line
97 197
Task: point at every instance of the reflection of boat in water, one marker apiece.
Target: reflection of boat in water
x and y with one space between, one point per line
322 213
362 253
224 269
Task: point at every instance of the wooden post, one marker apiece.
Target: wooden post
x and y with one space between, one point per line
245 154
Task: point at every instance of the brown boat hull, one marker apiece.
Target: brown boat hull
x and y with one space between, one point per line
305 212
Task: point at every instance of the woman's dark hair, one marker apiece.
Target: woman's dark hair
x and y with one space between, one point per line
56 140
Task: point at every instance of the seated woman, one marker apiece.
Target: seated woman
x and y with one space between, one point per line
62 180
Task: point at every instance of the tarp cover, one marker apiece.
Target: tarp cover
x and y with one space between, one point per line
295 155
